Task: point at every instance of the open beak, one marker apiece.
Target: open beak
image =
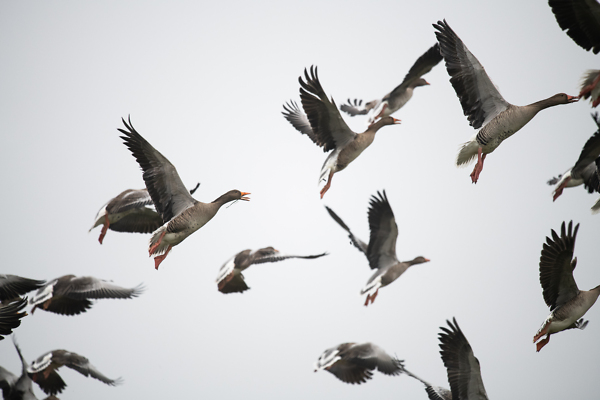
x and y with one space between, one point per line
572 99
244 196
396 121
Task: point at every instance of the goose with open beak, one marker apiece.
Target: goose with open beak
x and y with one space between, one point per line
482 103
181 213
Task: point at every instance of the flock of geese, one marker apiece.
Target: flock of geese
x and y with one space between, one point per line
167 209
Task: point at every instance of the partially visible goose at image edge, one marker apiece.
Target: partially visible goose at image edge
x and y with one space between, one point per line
230 278
324 125
183 214
353 362
482 103
381 250
567 303
130 211
397 98
585 170
464 372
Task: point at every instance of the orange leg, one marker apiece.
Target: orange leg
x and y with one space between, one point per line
326 187
559 190
159 259
589 87
479 166
104 228
542 343
152 249
543 330
380 113
371 297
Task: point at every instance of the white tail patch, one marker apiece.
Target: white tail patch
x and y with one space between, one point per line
163 246
468 152
371 287
43 295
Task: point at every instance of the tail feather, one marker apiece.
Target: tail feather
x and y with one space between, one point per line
156 236
467 153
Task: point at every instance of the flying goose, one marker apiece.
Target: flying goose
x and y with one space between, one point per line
581 20
482 103
70 295
181 213
131 211
381 250
397 98
231 279
567 303
43 370
324 125
585 170
354 362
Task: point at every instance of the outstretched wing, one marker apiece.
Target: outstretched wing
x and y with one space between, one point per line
557 265
168 193
478 96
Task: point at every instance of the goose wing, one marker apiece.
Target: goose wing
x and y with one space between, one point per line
381 250
168 193
557 265
478 96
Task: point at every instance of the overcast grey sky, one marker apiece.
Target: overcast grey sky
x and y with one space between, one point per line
204 83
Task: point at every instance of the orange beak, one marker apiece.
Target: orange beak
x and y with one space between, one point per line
243 196
572 99
396 121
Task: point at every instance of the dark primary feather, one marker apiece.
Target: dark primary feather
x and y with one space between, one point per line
423 65
557 265
168 193
464 373
382 225
356 242
476 92
10 316
13 286
324 117
581 21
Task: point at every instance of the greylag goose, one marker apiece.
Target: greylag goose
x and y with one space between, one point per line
381 250
482 103
17 388
12 287
43 370
131 211
590 87
585 170
397 98
10 316
70 295
324 125
567 303
231 279
464 373
181 213
354 362
581 20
